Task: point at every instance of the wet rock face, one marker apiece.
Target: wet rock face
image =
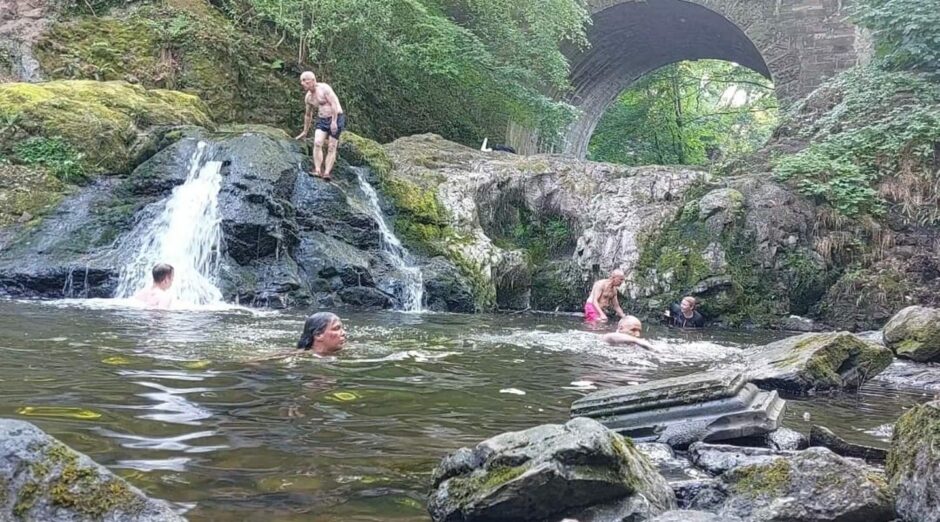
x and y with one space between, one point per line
914 333
913 465
816 362
43 479
521 476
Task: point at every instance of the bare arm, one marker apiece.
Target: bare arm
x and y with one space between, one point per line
622 338
308 118
617 308
337 108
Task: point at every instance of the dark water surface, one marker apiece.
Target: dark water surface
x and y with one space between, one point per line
168 401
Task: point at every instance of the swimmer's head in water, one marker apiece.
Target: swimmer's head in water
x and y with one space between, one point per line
630 325
163 275
323 333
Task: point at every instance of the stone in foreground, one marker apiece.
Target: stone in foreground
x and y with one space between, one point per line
43 479
720 458
913 465
812 485
692 516
709 406
577 469
816 361
914 333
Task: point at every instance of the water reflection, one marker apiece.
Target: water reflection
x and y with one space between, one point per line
182 414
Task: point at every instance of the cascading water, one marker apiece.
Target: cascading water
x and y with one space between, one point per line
186 234
412 284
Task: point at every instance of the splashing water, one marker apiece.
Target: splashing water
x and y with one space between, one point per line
412 283
187 235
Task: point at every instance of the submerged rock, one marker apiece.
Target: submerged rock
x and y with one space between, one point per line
43 479
811 362
708 406
811 485
579 469
914 333
913 465
822 436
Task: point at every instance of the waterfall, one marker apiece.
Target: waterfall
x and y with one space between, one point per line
411 287
186 234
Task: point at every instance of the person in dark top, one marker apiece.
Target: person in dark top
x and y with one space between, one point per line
684 315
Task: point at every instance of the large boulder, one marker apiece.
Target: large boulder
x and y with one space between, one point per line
812 485
709 406
548 471
816 361
913 465
108 123
914 333
43 479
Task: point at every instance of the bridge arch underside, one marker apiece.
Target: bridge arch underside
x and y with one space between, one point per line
629 40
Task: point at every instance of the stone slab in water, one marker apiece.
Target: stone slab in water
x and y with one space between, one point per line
822 436
43 479
914 333
547 471
816 361
692 516
913 465
707 406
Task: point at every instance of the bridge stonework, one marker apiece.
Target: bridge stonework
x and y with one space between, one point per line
796 43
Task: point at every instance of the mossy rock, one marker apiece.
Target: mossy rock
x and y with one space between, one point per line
184 45
822 361
26 192
45 480
913 465
104 121
914 333
363 152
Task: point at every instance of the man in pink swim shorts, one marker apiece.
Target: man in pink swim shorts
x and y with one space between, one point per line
603 296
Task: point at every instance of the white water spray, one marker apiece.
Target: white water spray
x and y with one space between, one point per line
412 283
187 234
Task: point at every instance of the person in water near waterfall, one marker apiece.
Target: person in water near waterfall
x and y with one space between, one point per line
157 295
629 330
323 335
603 296
684 315
330 122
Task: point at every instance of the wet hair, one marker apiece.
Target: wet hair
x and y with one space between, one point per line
161 271
315 325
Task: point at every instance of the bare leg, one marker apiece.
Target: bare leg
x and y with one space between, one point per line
330 156
318 138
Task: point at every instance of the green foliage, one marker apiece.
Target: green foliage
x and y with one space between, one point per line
687 113
53 153
458 68
906 32
884 125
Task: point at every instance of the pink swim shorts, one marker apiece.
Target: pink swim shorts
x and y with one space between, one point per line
591 313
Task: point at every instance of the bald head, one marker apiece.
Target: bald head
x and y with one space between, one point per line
308 81
307 75
630 325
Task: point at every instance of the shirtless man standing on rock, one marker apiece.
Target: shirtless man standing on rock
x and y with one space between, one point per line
331 121
604 296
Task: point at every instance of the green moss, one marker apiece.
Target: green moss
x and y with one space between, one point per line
463 488
759 480
181 45
27 192
101 120
823 366
916 432
60 476
363 152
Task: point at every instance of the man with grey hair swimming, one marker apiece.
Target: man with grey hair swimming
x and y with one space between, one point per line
330 122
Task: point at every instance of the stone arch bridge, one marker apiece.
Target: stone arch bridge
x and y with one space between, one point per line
796 43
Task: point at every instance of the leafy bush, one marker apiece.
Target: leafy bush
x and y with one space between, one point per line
885 124
906 32
53 153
